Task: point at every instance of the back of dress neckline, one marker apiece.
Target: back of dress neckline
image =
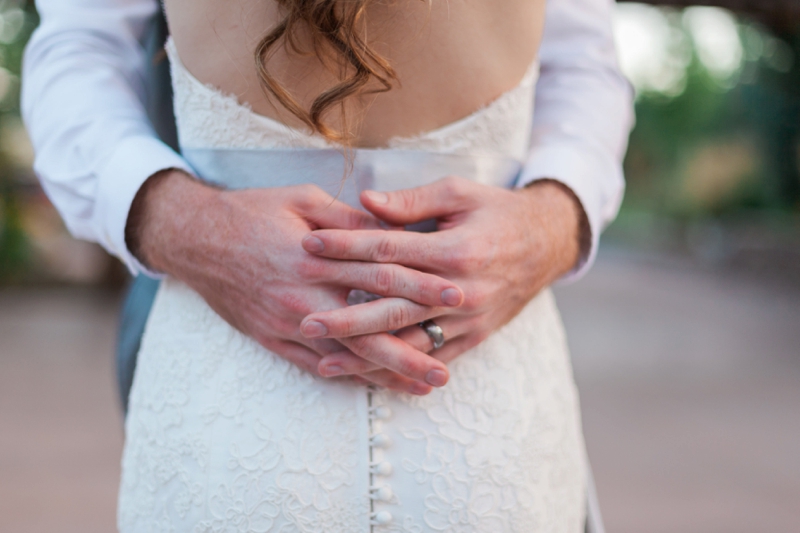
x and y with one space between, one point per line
525 89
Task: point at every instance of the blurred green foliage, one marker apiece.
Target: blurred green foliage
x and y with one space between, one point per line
721 146
18 18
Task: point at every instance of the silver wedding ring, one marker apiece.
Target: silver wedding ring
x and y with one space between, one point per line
434 332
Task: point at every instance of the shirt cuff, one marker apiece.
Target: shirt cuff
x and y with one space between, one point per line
134 160
595 179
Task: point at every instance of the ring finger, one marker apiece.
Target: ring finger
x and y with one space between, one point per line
453 327
385 314
390 352
459 345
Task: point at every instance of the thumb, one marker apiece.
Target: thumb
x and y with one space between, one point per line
439 199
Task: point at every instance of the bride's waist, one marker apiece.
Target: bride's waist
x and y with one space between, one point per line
345 174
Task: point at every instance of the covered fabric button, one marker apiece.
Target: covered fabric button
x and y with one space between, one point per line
381 441
382 413
383 517
383 468
383 494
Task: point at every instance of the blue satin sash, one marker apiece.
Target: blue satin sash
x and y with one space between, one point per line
375 169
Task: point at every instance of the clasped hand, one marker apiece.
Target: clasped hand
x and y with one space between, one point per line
493 251
500 247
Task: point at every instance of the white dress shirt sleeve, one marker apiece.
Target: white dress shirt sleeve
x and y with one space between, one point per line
583 113
83 96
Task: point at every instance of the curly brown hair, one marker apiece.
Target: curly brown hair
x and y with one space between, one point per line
338 38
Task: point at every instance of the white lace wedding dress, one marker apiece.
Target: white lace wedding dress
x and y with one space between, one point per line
225 436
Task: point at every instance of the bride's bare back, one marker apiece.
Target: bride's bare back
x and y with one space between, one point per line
452 57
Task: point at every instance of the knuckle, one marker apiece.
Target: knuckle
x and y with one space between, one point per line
360 345
293 303
267 341
423 286
450 182
344 327
284 328
453 186
304 193
465 256
474 300
310 269
384 279
360 220
432 251
406 199
460 191
398 316
385 250
310 195
352 218
456 261
460 260
314 191
410 367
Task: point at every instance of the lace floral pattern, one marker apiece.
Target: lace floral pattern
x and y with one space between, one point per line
209 118
225 436
501 127
499 448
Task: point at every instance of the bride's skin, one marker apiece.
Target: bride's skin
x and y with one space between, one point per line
255 255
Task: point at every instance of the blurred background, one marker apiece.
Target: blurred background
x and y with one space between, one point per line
685 336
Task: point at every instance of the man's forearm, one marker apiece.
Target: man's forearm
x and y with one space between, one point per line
561 213
165 214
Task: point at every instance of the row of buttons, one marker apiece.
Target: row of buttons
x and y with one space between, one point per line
380 441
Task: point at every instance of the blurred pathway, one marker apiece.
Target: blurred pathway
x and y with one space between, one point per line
690 384
60 428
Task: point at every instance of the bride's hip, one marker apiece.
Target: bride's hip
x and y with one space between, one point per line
182 326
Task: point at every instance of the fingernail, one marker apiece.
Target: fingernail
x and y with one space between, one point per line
420 389
437 378
313 329
451 297
333 371
377 197
313 244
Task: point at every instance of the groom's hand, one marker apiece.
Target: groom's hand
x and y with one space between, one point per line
240 250
500 246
